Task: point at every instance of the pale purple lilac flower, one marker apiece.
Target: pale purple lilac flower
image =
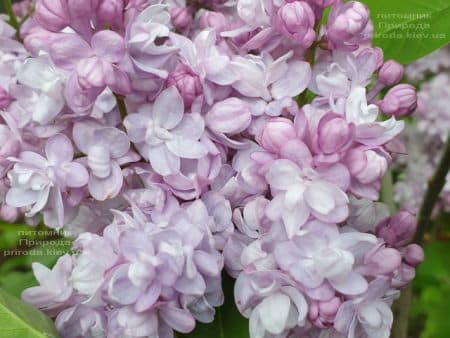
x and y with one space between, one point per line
142 277
164 134
38 182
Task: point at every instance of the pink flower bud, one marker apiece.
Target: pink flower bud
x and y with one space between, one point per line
9 214
295 20
214 20
413 255
322 313
22 8
391 73
276 133
110 12
349 26
366 165
5 99
334 134
91 72
39 39
376 52
52 14
399 101
403 276
229 116
187 83
181 17
382 261
399 229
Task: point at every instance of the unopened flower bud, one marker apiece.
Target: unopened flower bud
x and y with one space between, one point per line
366 165
391 73
9 214
22 8
334 134
181 17
187 83
349 26
214 20
399 229
110 12
399 101
39 39
276 133
52 15
229 116
322 313
413 255
382 261
376 53
295 20
403 276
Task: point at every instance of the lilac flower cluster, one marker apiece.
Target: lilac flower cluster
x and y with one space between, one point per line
173 139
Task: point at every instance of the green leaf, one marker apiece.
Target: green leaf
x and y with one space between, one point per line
10 234
16 281
45 252
410 29
20 320
228 322
15 271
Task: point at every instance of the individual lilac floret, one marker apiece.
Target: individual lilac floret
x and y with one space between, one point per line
54 290
145 34
146 276
38 182
272 303
45 100
164 134
106 148
299 193
90 67
369 315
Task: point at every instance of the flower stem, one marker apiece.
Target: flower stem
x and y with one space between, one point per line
387 192
12 17
121 105
435 186
401 311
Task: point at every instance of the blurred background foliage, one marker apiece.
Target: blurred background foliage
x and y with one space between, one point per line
430 306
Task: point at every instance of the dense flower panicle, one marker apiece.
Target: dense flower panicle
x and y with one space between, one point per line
148 274
173 140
